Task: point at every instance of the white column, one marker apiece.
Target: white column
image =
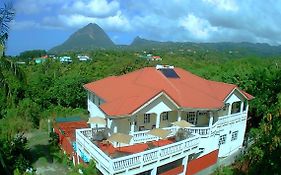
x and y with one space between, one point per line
158 120
241 106
73 160
132 125
229 108
184 163
154 171
179 115
211 119
77 155
115 129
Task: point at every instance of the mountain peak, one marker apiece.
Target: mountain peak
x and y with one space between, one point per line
90 36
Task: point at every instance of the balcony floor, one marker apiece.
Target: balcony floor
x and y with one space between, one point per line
112 152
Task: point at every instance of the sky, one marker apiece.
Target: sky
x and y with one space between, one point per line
43 24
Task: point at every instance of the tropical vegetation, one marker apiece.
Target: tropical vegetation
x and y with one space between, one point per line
32 93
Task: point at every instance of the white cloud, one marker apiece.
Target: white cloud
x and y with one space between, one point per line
173 20
93 8
227 5
22 25
31 7
198 27
112 23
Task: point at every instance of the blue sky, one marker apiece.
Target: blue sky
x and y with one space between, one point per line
42 24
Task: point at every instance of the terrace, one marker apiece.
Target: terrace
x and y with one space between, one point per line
134 158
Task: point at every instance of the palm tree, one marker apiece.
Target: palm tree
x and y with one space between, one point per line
7 14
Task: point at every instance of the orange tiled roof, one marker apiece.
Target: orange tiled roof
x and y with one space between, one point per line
126 93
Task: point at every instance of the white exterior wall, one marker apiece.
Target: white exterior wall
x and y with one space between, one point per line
235 122
95 111
225 125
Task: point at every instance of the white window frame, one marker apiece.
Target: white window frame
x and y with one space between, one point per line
234 135
146 118
165 116
222 139
191 117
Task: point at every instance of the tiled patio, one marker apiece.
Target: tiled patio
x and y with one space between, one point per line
108 148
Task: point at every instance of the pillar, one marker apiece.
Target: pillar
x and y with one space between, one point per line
158 120
184 163
211 119
115 129
241 106
154 171
229 108
132 125
179 115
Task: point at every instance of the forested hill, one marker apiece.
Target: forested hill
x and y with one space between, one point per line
89 37
93 37
243 48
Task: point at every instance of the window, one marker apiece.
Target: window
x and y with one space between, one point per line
146 118
235 107
222 139
165 116
234 135
191 117
245 106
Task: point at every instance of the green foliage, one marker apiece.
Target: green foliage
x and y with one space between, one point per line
53 89
264 156
28 55
90 169
14 154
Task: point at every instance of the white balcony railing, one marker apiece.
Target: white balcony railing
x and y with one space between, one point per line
142 136
231 119
135 162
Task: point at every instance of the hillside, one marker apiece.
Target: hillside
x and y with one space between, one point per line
89 37
243 48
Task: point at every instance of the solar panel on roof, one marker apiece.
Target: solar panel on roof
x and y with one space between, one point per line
169 73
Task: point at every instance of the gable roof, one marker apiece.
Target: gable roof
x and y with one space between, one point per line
126 93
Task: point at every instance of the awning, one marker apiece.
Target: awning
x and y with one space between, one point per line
97 120
120 138
159 132
182 124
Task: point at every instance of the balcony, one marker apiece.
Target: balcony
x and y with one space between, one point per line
133 163
231 119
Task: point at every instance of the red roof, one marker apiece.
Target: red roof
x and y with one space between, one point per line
126 93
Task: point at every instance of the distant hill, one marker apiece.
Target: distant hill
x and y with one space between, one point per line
89 37
93 37
244 48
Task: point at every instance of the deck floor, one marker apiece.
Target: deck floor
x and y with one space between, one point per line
133 149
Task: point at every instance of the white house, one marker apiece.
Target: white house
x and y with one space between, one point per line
136 103
83 58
